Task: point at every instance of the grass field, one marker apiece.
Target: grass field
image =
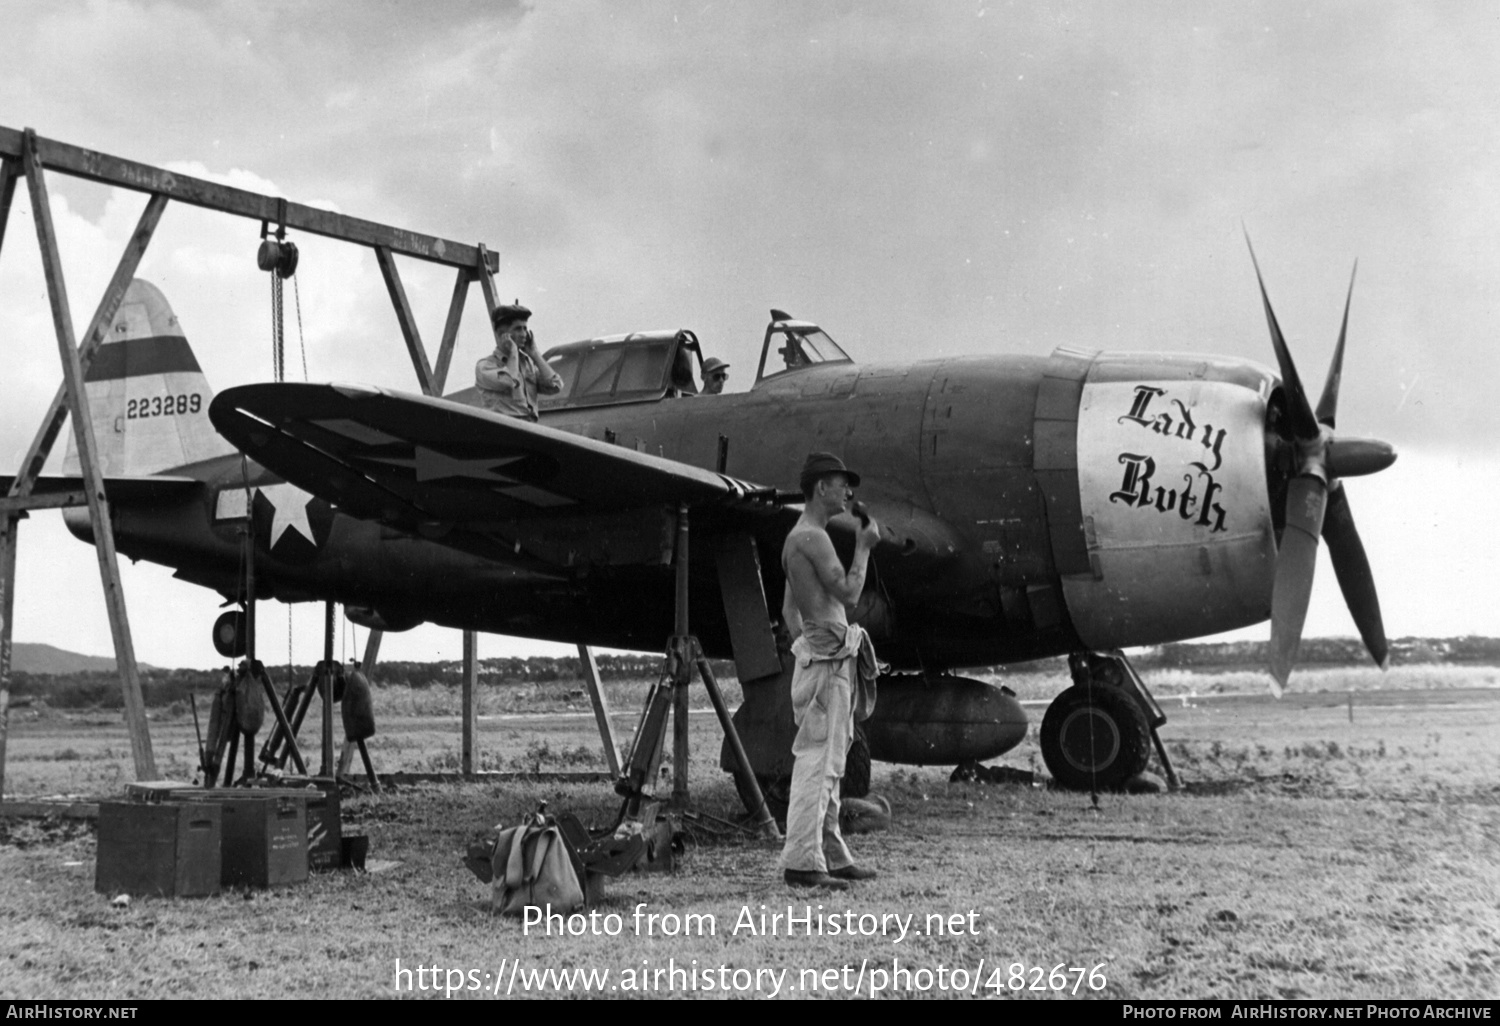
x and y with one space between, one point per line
1340 844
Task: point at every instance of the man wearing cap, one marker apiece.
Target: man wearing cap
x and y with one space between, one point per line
510 377
715 373
833 682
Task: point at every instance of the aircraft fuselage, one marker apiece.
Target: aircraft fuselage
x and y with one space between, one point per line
1012 519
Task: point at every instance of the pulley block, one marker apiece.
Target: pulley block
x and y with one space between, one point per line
279 255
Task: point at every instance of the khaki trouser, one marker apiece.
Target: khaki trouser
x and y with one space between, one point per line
822 706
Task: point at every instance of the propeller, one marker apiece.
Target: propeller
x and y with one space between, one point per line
1318 507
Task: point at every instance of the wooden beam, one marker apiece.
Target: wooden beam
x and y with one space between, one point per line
109 305
7 611
404 317
402 779
49 810
600 702
450 331
484 263
88 457
10 170
469 728
487 286
128 174
372 653
330 760
430 380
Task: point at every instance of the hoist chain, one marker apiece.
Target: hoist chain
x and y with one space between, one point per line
278 345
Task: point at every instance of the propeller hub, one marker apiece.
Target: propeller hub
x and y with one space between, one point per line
1312 454
1356 457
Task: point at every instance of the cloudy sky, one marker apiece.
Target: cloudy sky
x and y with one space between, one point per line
920 178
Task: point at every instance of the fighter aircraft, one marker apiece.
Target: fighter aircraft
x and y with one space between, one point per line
1075 504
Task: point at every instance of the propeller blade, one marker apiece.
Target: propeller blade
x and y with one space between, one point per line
1329 402
1352 569
1304 424
1295 562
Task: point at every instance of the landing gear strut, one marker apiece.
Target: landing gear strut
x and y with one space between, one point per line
1099 733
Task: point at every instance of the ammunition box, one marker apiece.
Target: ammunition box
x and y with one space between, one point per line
166 850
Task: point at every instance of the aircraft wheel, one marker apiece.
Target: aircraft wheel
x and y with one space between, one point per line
1095 738
229 634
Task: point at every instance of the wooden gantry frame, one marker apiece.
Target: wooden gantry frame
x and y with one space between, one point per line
25 155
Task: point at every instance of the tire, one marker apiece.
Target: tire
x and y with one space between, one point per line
229 634
1095 738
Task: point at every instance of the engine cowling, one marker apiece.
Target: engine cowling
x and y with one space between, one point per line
1172 464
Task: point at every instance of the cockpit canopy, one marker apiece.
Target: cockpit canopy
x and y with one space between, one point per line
793 345
639 367
645 366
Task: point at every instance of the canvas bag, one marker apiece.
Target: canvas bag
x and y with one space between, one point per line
357 707
534 865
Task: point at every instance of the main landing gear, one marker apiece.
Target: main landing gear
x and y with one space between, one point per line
1098 734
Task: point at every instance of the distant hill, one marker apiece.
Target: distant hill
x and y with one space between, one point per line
29 657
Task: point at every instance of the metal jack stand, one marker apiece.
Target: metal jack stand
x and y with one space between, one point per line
327 683
670 696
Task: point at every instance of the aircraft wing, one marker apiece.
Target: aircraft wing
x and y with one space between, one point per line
431 467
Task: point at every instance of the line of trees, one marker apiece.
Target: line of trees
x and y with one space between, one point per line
162 688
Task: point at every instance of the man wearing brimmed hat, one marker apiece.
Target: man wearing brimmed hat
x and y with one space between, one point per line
510 377
715 373
833 682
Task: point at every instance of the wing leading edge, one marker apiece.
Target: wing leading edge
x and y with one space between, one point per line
454 473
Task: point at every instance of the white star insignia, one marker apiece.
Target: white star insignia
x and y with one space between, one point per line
432 465
290 505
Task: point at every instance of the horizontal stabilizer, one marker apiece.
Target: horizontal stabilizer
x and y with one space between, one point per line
124 491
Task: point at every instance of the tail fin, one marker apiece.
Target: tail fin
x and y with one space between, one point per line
147 395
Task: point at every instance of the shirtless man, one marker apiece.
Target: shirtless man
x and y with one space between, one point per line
828 652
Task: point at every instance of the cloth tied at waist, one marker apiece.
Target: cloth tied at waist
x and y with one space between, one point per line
828 642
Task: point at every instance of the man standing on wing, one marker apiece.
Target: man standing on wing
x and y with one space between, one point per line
510 377
834 679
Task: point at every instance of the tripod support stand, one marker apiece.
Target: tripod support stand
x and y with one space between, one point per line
668 698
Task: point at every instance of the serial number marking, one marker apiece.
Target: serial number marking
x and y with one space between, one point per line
163 406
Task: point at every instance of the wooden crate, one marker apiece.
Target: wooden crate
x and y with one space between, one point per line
265 839
170 850
324 815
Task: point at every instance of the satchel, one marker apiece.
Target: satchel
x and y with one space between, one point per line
249 698
533 864
357 707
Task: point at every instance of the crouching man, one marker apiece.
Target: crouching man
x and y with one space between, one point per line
834 679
